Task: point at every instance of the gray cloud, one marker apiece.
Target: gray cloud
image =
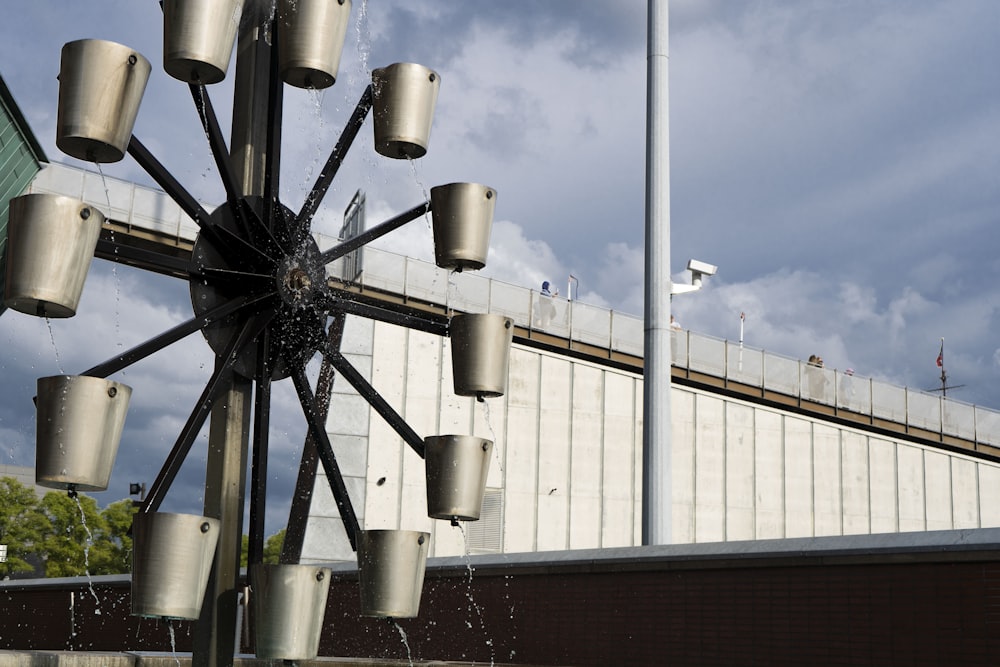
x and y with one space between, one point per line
838 161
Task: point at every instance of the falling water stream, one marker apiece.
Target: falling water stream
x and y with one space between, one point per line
173 642
114 265
55 348
86 555
406 641
473 605
493 435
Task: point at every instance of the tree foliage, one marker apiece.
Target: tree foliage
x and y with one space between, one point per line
71 536
22 525
272 548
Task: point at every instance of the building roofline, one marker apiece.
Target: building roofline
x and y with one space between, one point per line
7 99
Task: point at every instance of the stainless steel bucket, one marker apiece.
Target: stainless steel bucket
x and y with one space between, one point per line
310 40
391 566
78 427
463 219
480 353
51 241
171 559
289 602
456 468
405 95
198 38
100 87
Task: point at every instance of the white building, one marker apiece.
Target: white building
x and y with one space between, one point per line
763 446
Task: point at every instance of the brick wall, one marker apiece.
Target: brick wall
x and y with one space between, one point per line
909 608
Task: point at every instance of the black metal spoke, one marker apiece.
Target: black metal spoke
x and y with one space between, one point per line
234 241
142 258
317 428
216 385
258 467
298 513
272 155
170 336
378 231
332 302
172 187
220 151
302 221
398 424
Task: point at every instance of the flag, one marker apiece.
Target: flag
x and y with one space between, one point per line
940 359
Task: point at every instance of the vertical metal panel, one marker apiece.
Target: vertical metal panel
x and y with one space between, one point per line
882 466
769 475
683 464
385 447
910 478
989 496
798 478
938 497
826 480
522 451
710 461
554 453
423 400
855 480
620 439
739 471
965 493
587 437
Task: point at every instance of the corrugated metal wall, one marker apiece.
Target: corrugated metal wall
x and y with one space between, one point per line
19 162
566 470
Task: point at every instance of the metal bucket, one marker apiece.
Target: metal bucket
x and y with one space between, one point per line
310 40
100 87
463 218
198 38
480 353
78 427
289 602
391 566
51 240
403 108
456 468
171 559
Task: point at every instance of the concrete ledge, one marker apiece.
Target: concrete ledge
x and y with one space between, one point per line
143 659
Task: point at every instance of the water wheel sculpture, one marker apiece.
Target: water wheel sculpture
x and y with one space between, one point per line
262 299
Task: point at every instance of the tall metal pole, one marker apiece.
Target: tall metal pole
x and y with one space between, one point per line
656 450
229 432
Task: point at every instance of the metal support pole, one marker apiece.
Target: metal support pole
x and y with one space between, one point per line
225 483
656 450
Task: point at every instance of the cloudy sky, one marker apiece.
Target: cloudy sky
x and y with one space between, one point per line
839 161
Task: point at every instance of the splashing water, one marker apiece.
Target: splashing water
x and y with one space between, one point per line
52 337
173 642
473 605
86 555
114 264
104 182
316 96
406 641
493 434
364 38
423 189
72 618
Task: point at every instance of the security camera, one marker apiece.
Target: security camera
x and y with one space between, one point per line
704 268
698 271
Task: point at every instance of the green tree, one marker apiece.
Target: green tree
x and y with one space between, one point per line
77 536
272 548
118 521
22 525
